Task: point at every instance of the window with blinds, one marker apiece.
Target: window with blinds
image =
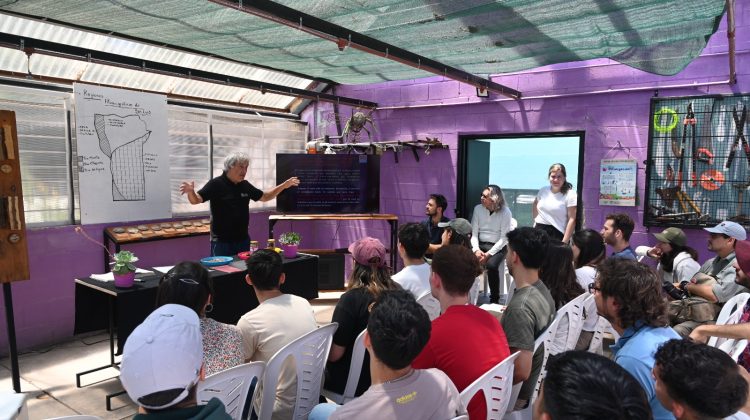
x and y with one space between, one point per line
198 142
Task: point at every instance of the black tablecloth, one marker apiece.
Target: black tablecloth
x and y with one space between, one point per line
232 298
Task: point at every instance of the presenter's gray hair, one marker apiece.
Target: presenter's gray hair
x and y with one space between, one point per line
496 196
234 159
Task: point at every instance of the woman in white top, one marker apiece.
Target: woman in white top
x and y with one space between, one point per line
588 252
677 261
554 208
490 222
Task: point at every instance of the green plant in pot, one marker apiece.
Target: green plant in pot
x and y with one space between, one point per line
289 243
123 268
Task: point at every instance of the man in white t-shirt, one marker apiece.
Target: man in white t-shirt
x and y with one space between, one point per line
278 320
413 241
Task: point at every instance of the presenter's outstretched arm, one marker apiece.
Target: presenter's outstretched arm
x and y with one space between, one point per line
273 192
189 189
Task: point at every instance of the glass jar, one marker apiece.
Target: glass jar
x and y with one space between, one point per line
271 244
253 246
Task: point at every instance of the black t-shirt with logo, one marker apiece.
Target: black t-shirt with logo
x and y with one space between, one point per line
229 207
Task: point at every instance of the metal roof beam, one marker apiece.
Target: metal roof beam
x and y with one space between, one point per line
344 37
31 46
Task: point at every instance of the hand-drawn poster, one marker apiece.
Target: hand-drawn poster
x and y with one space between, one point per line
617 182
123 154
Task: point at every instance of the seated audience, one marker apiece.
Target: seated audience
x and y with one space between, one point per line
558 274
677 261
456 232
696 381
490 221
628 295
586 386
466 341
188 284
369 277
412 245
714 282
531 309
398 330
278 320
588 251
739 331
616 233
161 366
434 209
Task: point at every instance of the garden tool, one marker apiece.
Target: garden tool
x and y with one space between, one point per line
739 124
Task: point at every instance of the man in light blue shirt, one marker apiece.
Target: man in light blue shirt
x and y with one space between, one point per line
628 295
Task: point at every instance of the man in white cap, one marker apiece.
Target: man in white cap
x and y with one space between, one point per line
741 330
161 364
715 281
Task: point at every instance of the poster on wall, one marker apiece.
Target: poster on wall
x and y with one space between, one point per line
617 182
123 154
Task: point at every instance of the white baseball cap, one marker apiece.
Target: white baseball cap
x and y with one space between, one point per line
732 229
164 353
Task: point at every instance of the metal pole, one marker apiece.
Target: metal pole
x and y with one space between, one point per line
11 324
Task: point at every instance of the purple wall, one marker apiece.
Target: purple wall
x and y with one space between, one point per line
609 101
557 98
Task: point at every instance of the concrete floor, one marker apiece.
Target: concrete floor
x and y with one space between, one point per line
48 375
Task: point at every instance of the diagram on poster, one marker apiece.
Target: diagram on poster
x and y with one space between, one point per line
617 182
123 155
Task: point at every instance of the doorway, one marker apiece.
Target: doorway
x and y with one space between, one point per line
518 163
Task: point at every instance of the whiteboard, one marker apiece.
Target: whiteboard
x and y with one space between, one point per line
123 155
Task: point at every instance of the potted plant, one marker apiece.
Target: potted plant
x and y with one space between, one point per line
289 242
123 268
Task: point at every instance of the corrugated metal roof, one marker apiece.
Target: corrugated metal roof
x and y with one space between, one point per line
74 70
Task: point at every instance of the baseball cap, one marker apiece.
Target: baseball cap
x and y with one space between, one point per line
730 229
742 252
462 226
164 353
672 235
367 248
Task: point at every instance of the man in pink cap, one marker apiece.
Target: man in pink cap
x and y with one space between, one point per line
742 329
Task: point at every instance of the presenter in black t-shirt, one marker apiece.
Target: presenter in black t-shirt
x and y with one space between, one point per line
229 195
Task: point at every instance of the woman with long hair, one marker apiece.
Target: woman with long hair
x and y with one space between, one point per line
588 251
558 274
370 276
555 206
188 284
490 222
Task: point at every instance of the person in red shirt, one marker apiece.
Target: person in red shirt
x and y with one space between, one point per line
466 341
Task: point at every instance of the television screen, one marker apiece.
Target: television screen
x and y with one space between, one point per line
329 184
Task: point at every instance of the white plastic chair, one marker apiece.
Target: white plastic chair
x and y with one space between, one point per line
430 304
231 387
461 417
602 326
497 386
733 348
545 339
77 417
310 353
730 314
570 316
355 369
13 405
